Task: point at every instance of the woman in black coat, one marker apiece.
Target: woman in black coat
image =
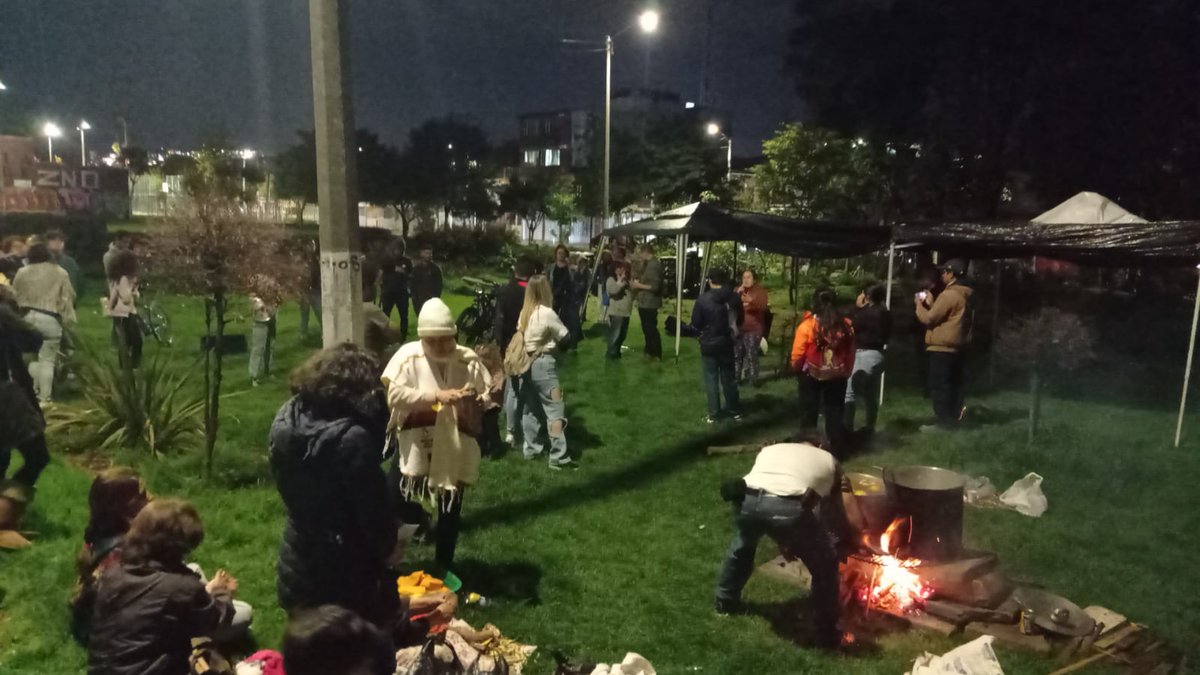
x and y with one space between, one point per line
22 426
326 448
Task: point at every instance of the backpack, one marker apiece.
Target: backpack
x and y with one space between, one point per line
822 359
517 361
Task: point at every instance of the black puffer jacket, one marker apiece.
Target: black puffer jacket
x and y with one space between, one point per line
341 525
715 317
146 617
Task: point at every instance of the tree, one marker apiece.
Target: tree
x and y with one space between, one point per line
296 173
669 159
524 197
213 249
445 164
1046 342
1075 94
814 173
560 203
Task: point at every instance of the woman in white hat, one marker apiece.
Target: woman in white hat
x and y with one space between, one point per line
437 391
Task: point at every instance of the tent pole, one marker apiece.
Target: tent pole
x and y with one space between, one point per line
888 303
707 258
995 323
681 245
587 297
1187 373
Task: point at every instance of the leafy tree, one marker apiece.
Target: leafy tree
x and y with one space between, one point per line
560 203
814 173
445 164
1075 94
524 197
296 172
212 249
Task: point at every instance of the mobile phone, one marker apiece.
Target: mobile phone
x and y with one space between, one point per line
922 295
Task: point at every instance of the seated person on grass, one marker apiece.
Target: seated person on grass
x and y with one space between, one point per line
332 640
151 605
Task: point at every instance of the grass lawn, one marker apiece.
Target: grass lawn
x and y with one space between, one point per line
622 555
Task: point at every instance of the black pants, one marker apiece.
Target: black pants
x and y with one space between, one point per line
827 398
399 301
128 334
449 520
649 317
35 457
946 386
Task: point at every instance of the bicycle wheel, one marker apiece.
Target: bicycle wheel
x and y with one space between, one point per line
159 324
469 324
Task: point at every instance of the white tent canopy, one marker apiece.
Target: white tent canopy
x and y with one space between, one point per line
1087 208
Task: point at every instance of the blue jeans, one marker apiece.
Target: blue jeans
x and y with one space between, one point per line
512 404
261 337
799 534
618 328
719 379
542 399
864 386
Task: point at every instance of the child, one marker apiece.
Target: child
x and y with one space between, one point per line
264 304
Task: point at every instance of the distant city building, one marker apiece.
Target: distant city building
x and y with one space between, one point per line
559 138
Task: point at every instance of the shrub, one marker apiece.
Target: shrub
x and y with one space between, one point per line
150 408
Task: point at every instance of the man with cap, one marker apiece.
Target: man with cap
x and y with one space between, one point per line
437 391
947 322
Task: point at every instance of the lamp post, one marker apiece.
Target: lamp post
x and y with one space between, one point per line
245 154
648 23
83 128
2 87
52 132
714 130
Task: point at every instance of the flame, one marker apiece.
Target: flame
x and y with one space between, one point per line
894 586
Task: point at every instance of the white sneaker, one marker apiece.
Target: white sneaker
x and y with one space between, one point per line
509 439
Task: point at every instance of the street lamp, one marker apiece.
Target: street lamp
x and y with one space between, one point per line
2 87
52 132
83 128
714 129
648 21
245 154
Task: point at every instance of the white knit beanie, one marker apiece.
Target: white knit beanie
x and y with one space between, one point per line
435 320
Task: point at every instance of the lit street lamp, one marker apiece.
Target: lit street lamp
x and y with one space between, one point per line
648 22
83 128
52 132
714 130
245 154
2 87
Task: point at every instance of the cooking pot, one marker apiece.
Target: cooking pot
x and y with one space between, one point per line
872 497
933 498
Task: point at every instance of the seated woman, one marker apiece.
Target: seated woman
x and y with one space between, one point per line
115 498
150 606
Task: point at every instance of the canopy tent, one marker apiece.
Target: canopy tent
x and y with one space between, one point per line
705 222
1088 228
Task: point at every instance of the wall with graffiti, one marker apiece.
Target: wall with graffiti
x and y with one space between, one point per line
57 188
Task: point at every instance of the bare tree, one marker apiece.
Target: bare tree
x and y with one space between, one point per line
212 248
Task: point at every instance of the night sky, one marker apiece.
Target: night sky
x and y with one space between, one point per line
185 70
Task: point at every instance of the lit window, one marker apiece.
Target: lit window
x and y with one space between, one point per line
553 157
531 157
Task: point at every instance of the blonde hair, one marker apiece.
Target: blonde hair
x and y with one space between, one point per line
537 294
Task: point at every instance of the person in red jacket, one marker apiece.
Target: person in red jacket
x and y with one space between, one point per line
754 328
823 358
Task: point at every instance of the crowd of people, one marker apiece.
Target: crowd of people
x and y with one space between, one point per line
431 408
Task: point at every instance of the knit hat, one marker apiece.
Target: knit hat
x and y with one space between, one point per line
435 320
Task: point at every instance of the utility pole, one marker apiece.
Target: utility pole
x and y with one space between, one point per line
608 54
341 257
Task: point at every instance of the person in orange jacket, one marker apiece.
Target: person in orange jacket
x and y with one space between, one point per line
823 358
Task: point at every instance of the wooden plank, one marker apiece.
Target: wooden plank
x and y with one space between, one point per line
1109 618
1080 665
1111 638
928 622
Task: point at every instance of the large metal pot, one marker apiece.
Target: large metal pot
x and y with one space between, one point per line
933 498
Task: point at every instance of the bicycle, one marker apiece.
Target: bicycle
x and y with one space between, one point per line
476 324
155 322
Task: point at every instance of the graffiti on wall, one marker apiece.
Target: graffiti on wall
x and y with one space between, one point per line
100 191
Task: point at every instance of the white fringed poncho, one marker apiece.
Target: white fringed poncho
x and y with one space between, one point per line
435 453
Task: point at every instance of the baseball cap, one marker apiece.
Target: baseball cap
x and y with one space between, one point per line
956 265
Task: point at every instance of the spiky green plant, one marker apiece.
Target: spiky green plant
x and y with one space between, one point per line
150 408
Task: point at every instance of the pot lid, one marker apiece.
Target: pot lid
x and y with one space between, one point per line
1054 613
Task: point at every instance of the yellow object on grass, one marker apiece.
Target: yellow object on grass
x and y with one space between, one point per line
418 583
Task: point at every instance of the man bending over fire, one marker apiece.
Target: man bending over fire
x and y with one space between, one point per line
793 495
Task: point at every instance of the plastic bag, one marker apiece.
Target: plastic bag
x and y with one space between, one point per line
634 664
974 658
1026 496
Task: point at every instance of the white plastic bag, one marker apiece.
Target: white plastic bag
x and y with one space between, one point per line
974 658
1026 496
634 664
978 490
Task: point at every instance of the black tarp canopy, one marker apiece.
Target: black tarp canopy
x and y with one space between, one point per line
702 222
1105 245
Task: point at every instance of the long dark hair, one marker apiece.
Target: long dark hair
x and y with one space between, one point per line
164 531
124 264
115 498
340 381
831 324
